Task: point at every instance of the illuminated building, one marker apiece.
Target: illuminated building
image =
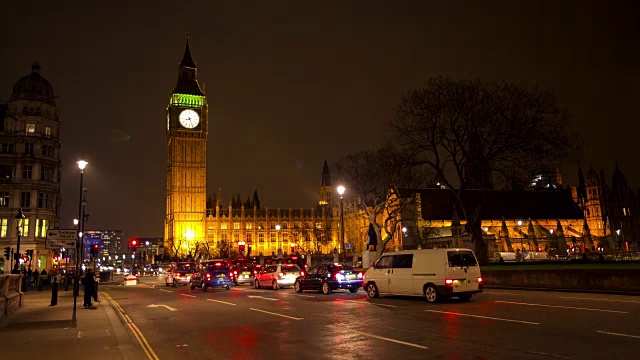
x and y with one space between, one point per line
30 166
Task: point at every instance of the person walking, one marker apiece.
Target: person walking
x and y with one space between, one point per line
89 288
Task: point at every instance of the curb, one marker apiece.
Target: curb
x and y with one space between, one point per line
129 349
584 291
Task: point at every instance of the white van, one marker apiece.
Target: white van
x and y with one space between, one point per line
432 273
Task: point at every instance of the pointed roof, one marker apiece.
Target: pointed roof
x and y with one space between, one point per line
326 175
187 60
187 75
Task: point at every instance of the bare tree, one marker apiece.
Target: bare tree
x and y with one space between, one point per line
473 135
375 180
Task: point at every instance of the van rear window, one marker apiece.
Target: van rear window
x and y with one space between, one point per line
461 258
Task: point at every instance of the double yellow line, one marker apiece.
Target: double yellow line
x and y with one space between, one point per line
134 329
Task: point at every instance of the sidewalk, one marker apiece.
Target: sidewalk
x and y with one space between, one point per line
38 329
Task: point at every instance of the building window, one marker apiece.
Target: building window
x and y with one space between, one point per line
27 171
272 237
46 173
41 228
249 226
236 226
6 172
45 201
4 223
318 225
223 226
249 237
25 199
31 129
4 199
28 148
223 237
7 148
236 238
47 131
25 227
261 237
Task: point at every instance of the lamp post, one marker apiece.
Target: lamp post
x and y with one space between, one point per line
76 283
520 235
19 223
278 240
341 191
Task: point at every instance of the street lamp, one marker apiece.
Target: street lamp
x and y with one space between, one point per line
278 240
520 235
76 284
404 234
19 223
341 191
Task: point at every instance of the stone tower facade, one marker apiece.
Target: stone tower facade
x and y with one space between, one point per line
187 131
30 167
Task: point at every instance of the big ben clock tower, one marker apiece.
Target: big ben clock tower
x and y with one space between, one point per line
187 128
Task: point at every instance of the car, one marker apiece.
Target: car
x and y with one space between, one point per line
245 274
179 273
294 259
432 273
329 277
212 274
278 276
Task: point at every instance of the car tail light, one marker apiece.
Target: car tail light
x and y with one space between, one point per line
448 281
282 274
480 280
359 275
339 276
208 276
301 273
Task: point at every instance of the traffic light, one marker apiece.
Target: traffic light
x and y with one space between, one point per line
29 254
7 252
133 244
94 250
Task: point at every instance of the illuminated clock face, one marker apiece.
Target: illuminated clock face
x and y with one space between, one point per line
189 118
168 121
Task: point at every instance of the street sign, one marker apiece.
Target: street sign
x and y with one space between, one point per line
61 238
347 246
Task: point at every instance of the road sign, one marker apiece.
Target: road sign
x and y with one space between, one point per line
59 238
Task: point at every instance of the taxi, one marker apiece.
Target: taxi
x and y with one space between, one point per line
179 273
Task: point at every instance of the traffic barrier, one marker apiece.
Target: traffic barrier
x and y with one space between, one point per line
130 280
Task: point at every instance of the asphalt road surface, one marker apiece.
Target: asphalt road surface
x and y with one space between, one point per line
246 323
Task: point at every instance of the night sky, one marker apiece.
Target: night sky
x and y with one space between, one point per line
291 84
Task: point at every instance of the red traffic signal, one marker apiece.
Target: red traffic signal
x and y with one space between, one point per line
134 242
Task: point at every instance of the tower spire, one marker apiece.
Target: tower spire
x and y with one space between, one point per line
187 60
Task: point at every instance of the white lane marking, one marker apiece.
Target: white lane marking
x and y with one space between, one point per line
484 317
272 313
188 295
166 306
307 296
391 340
165 290
499 293
366 302
147 286
596 299
261 297
547 354
221 302
561 307
619 334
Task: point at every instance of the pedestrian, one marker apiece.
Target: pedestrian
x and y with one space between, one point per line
89 288
35 275
43 272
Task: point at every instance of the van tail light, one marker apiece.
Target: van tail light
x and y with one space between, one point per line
208 276
480 280
301 273
448 281
359 275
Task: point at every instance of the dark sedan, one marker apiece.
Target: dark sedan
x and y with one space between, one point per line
329 277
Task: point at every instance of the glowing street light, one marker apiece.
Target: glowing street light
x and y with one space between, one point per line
341 190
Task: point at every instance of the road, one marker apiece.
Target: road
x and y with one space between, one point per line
247 323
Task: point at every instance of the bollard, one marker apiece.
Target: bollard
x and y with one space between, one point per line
40 285
66 282
95 294
54 292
